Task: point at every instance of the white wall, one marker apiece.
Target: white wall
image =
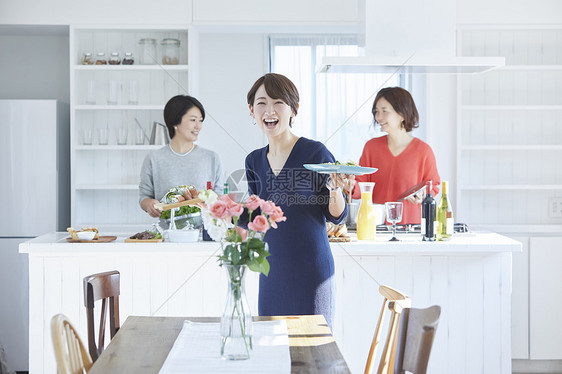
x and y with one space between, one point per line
228 65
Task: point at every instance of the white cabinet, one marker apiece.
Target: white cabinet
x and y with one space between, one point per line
107 101
545 304
536 309
520 301
510 126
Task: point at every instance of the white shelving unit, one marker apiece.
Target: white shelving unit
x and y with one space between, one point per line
104 183
509 135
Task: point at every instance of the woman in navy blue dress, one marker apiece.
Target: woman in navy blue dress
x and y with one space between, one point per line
301 278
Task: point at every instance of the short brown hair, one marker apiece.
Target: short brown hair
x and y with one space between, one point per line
277 86
402 102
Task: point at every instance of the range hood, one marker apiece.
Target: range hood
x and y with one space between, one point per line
412 37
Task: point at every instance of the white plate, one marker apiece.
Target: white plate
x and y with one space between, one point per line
342 169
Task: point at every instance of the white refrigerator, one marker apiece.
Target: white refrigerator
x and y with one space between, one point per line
34 187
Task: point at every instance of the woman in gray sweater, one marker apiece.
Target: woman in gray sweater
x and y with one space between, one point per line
181 161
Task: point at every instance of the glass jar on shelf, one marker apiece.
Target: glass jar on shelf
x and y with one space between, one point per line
170 51
148 51
128 59
87 58
114 58
100 59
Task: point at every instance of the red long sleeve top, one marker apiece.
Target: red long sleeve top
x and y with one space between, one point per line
396 174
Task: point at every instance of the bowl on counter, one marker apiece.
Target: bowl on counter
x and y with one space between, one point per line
182 236
86 235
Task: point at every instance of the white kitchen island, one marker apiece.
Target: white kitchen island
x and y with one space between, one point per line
469 277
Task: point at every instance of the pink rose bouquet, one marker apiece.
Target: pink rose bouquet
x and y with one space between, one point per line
240 247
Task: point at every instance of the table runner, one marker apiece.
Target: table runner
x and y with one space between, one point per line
197 350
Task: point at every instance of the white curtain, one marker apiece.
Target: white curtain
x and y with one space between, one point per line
334 108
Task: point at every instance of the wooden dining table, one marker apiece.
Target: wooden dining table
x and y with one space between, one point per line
142 344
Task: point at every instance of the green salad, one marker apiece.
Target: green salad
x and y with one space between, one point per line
178 194
183 210
348 163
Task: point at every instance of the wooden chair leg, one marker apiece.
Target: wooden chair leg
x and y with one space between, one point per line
384 367
376 338
392 362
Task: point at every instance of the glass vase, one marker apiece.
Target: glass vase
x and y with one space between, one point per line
236 321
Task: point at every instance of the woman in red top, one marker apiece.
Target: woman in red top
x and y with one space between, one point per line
402 160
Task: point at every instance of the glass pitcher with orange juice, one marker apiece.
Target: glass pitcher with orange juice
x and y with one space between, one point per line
366 222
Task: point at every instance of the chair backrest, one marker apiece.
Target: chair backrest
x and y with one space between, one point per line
417 330
395 301
104 287
71 355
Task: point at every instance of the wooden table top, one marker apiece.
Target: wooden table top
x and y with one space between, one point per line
143 343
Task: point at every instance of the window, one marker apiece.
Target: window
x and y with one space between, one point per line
334 108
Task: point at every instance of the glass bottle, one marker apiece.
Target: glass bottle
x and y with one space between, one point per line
87 59
445 221
366 220
428 222
148 51
225 189
170 51
114 58
128 59
100 59
206 236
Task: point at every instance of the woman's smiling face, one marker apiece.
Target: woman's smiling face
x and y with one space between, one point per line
191 124
385 115
272 115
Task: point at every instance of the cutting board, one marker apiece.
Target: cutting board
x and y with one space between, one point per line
129 240
177 205
100 239
339 239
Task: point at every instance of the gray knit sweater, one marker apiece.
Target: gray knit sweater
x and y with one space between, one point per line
163 169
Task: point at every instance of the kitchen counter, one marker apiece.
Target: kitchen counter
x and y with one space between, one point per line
469 276
55 244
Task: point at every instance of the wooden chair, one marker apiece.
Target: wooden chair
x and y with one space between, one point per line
415 338
71 355
395 301
105 287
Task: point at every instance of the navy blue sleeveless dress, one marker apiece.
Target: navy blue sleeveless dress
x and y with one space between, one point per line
301 278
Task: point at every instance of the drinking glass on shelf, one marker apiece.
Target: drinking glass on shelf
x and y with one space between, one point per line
91 93
394 214
103 136
133 92
112 92
87 136
139 136
122 135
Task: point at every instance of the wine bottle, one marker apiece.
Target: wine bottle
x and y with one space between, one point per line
225 189
445 221
428 222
